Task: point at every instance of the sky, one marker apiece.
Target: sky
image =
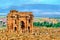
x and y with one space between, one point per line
7 3
41 7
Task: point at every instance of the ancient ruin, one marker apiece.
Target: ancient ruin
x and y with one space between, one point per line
20 21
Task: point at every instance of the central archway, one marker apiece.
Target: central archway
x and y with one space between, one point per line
22 24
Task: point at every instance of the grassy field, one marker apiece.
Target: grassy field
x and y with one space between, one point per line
2 16
3 28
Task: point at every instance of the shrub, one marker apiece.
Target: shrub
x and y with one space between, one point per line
47 24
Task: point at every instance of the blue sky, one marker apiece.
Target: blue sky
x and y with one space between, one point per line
19 2
40 7
7 3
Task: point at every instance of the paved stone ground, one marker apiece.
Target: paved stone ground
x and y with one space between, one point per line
37 34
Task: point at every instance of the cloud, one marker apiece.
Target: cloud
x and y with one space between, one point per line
37 12
32 10
50 13
41 12
3 13
4 3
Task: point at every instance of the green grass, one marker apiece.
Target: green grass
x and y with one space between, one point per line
3 27
46 27
2 16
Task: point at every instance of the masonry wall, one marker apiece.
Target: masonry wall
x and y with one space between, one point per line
14 19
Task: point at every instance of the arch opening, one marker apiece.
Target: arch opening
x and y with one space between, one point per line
29 20
22 25
15 28
28 29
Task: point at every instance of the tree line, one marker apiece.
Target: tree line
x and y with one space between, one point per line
46 24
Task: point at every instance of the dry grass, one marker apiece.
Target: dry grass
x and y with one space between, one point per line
37 34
